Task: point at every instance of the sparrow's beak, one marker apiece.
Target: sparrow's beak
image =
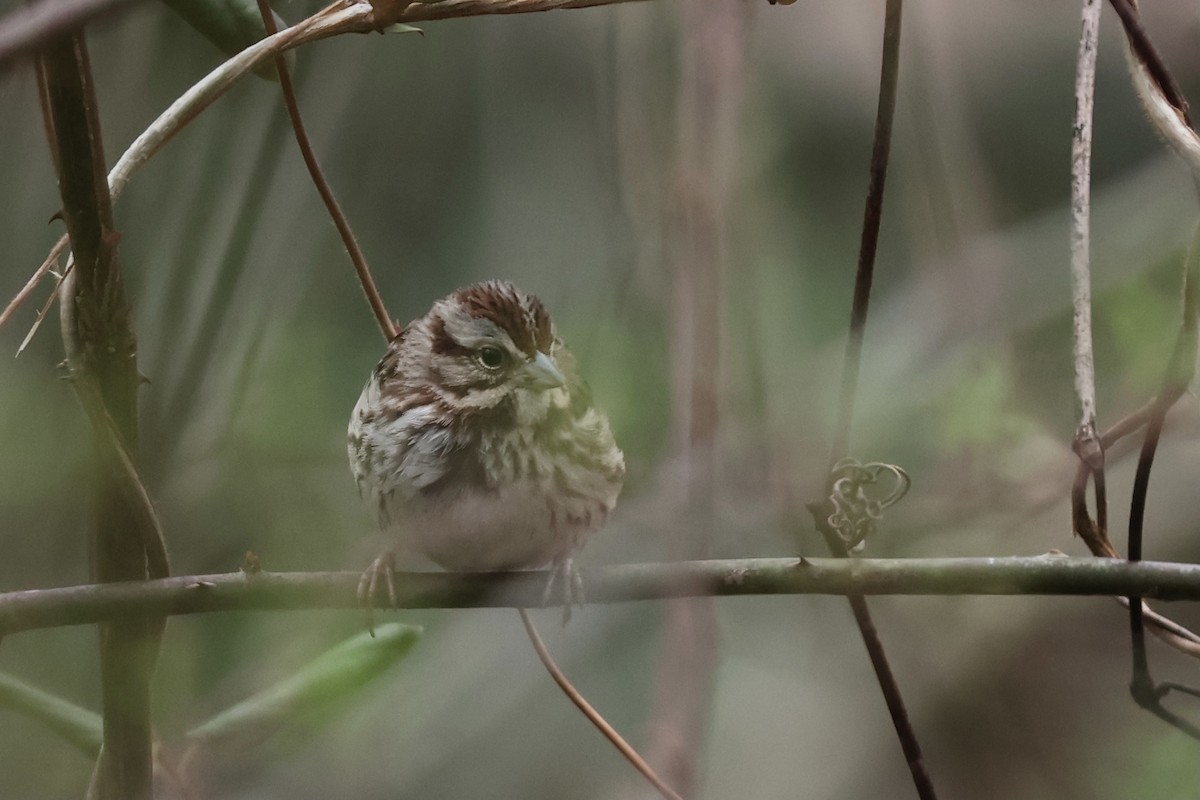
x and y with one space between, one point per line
542 373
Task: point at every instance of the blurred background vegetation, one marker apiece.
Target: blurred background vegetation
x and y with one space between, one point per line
542 149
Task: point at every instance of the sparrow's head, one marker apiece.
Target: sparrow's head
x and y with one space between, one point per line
489 341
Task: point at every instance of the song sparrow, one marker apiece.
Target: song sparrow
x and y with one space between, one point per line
476 441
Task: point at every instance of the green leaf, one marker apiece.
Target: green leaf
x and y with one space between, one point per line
78 726
317 690
232 25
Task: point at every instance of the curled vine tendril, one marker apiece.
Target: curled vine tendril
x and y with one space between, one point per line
856 510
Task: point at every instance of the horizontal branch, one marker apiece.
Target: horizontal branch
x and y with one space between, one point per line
296 591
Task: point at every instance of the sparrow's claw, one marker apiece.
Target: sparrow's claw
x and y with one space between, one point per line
383 568
571 593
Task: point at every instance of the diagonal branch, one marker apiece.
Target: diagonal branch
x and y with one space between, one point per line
1146 54
586 708
872 217
349 240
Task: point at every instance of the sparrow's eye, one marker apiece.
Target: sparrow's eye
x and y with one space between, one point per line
490 357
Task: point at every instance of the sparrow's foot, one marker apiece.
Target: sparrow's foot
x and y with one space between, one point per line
570 592
382 570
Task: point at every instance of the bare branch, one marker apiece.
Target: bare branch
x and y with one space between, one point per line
349 240
881 148
1087 444
889 74
594 716
199 594
23 30
20 297
1147 56
1157 89
449 9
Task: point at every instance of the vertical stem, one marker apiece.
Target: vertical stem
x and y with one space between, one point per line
102 354
1081 287
905 732
872 216
1141 683
349 240
880 152
1179 373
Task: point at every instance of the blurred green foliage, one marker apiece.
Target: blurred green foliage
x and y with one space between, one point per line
78 726
315 692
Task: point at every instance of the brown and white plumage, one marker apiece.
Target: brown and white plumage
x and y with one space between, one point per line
476 441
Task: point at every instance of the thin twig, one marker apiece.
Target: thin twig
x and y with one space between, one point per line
25 29
872 216
1164 104
52 259
1147 54
31 284
344 230
1086 440
1095 536
46 306
128 480
1137 513
408 11
591 713
1179 372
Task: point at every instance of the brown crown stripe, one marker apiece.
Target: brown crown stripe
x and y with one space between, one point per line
501 303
